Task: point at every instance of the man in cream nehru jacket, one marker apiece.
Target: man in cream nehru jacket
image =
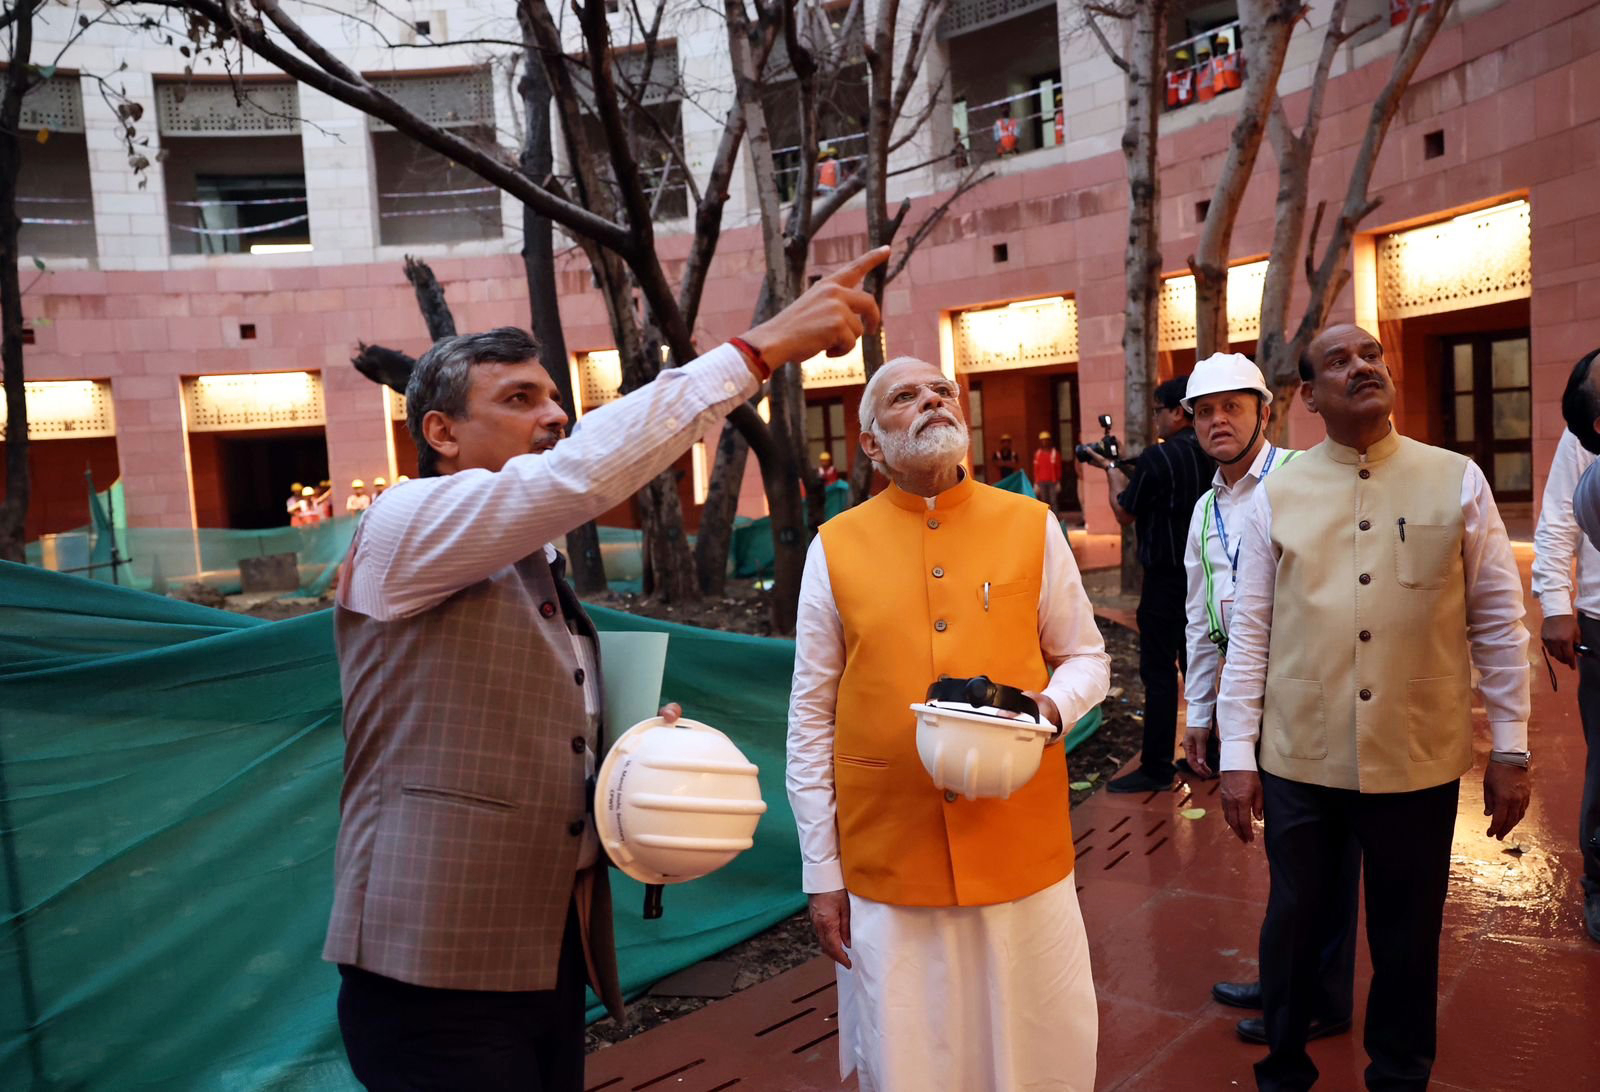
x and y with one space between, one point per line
1374 576
963 962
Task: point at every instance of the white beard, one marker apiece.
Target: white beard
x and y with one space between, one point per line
922 448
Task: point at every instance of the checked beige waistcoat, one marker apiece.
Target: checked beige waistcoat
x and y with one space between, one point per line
464 797
1369 682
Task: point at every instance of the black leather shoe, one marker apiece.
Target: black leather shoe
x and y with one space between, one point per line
1138 781
1254 1030
1241 995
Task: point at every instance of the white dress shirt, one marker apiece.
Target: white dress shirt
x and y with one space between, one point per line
1221 549
423 540
1074 651
1499 644
1557 539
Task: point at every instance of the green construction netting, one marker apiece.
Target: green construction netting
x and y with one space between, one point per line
751 552
155 559
169 781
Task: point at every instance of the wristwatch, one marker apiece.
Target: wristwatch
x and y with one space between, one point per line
1512 758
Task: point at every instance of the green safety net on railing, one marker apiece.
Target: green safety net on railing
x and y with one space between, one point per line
169 785
158 559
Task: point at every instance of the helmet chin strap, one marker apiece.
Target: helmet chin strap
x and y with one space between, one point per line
1247 448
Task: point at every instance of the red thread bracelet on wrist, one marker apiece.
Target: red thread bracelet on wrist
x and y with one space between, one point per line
753 355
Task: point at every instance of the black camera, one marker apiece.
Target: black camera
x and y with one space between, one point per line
1108 447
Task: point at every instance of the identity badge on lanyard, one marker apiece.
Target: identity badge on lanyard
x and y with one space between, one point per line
1222 528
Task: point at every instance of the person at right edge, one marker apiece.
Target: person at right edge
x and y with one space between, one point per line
1374 576
1167 479
1232 406
1572 616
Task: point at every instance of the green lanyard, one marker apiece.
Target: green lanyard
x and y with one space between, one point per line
1214 627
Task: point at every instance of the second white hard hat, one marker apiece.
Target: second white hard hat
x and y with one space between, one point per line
972 746
674 802
1224 372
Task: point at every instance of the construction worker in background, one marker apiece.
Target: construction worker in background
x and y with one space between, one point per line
1006 134
827 169
358 500
324 501
379 484
305 508
292 505
1061 119
1047 471
1180 80
1006 460
826 469
402 478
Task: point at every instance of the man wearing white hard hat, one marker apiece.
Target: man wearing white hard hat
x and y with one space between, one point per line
1232 407
471 901
953 918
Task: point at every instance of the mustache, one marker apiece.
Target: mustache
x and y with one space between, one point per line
1364 381
547 440
929 417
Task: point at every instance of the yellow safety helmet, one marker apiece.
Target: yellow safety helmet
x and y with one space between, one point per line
295 488
380 480
358 484
307 491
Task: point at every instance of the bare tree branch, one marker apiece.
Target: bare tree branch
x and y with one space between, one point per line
974 177
1089 12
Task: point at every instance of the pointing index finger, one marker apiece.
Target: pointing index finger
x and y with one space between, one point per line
851 275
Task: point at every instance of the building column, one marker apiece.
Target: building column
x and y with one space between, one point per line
340 193
934 137
130 219
153 450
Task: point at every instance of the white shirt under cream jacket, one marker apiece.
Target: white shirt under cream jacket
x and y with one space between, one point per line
1499 644
1080 672
1558 538
1220 548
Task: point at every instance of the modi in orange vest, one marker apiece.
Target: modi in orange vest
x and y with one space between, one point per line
908 580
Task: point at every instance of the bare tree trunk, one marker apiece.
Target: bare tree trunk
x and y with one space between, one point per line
1145 68
430 299
1280 350
585 564
715 538
714 541
14 510
1267 26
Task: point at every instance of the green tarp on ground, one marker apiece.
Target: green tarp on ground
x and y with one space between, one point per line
170 801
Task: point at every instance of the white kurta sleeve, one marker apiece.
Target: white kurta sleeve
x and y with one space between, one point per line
1556 539
1244 676
813 700
1074 651
1494 613
1200 680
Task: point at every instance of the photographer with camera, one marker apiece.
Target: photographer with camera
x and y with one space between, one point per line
1158 499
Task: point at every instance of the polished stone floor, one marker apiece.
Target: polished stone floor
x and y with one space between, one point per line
1173 903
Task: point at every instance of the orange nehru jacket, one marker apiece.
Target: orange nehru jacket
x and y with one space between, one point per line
909 584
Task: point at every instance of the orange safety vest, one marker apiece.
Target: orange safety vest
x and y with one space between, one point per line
1229 72
828 174
1005 135
909 583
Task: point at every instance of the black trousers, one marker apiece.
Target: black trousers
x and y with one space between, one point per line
415 1038
1162 654
1404 840
1589 709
